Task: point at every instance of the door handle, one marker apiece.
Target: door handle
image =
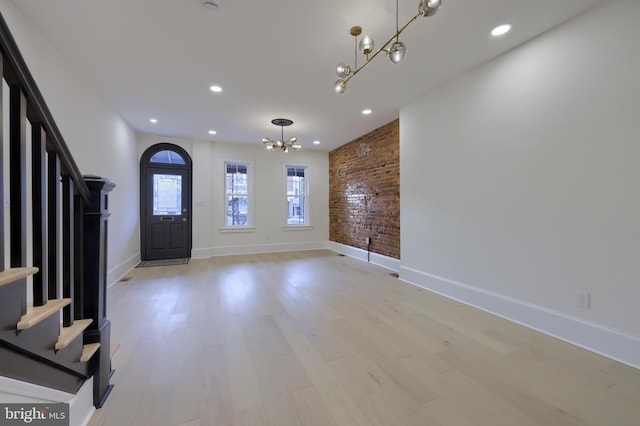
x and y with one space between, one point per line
184 219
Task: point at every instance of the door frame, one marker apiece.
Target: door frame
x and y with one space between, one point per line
145 165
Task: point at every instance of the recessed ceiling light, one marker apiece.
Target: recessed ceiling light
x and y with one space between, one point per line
153 120
501 30
316 142
215 89
366 111
212 132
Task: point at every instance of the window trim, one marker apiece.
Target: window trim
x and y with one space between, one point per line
250 225
307 223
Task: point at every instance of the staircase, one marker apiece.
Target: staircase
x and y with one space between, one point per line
35 347
53 243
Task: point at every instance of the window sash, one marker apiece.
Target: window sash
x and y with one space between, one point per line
237 199
296 211
237 210
296 195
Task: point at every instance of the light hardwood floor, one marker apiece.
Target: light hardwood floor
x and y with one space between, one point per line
314 338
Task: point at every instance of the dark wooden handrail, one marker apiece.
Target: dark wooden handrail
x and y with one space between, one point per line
16 72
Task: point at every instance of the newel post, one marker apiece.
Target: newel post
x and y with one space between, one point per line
94 297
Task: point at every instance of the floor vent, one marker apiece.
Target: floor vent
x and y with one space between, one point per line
125 279
340 254
394 274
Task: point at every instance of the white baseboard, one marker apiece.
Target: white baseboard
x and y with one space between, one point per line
117 272
256 248
201 253
612 343
80 405
375 258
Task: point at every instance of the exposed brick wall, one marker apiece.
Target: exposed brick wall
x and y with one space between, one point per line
364 191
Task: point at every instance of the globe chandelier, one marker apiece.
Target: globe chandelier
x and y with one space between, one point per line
394 48
281 143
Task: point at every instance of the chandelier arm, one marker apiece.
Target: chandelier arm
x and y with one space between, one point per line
369 59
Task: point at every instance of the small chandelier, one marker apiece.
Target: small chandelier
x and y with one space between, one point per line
395 49
281 143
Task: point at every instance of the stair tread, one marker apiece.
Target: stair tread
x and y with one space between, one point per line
14 274
88 350
68 334
35 314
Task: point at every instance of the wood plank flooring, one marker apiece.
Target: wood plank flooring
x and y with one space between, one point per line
314 338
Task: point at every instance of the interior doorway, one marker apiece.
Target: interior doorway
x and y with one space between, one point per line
165 203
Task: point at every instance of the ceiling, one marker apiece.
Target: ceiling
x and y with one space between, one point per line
158 58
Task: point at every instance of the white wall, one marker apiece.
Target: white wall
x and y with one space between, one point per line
80 404
100 141
520 183
269 234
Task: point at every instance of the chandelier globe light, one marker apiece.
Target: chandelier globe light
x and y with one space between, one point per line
394 48
397 52
291 143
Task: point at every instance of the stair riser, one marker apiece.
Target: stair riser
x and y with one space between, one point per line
40 338
13 304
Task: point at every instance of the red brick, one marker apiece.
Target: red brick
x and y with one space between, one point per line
364 191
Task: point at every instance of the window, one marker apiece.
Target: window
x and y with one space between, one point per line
297 195
167 194
167 157
237 194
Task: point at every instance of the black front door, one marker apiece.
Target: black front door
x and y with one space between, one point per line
165 203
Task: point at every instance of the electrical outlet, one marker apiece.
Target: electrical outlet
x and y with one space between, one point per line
583 299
